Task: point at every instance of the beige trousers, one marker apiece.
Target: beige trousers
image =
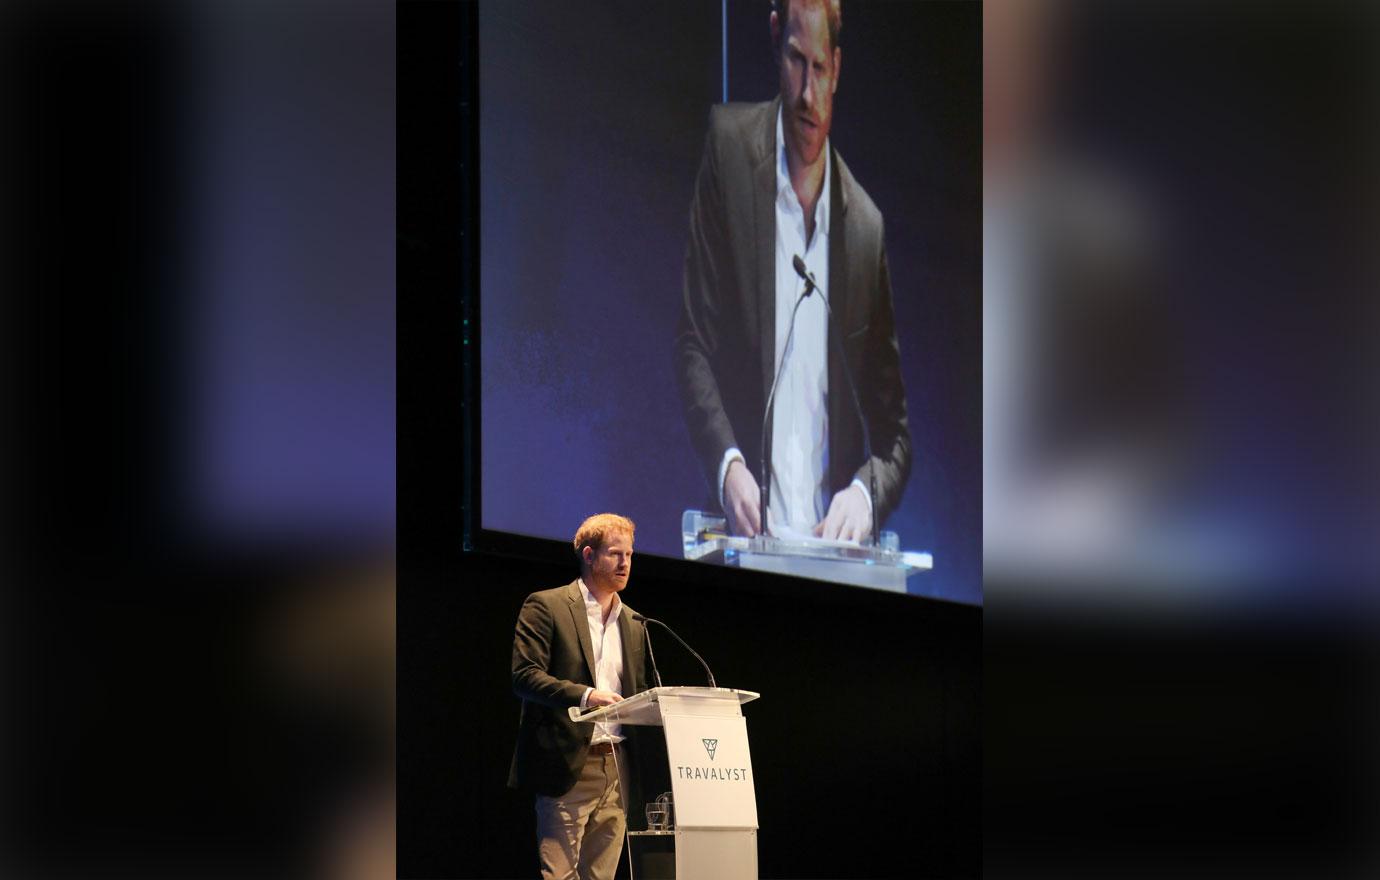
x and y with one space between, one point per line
580 834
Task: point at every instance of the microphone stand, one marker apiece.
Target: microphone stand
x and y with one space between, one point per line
765 490
650 653
645 619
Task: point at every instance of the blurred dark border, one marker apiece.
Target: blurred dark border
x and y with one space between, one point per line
176 701
1188 708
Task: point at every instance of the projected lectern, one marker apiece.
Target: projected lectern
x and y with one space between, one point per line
711 774
705 538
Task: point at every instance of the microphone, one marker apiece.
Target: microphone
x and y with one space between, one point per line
644 619
810 285
765 490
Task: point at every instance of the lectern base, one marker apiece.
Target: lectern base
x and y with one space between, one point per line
653 855
723 855
726 854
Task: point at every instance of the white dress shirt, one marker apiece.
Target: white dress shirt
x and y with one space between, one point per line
800 414
608 659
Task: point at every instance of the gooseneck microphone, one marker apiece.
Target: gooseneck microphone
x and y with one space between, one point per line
642 618
810 285
805 276
650 653
771 397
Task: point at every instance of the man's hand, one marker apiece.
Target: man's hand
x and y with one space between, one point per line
742 499
849 517
602 698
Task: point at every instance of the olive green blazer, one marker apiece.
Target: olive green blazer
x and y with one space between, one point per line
553 663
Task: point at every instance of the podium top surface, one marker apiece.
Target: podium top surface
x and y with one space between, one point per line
646 707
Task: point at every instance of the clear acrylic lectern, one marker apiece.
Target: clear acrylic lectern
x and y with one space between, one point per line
711 774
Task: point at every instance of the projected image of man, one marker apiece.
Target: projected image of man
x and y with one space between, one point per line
771 189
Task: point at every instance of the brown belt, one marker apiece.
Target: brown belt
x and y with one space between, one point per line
603 748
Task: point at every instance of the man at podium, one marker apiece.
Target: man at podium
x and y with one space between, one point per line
578 645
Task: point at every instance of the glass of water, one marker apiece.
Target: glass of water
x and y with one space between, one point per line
657 816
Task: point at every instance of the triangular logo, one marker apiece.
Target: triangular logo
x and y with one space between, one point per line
710 745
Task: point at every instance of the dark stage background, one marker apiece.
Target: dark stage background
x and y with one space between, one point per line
870 709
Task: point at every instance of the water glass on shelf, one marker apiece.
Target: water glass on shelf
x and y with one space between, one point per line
657 816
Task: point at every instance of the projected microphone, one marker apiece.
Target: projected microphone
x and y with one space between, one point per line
644 619
771 396
805 276
810 285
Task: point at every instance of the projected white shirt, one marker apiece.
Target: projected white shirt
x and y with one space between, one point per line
800 416
608 658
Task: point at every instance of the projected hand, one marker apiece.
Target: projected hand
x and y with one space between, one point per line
741 499
602 698
849 517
